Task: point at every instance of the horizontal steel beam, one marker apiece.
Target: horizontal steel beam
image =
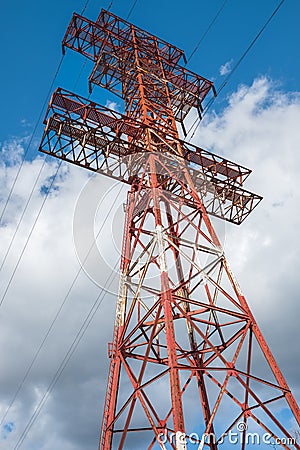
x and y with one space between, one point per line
75 107
104 141
106 43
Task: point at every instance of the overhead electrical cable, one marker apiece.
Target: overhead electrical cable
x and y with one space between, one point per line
23 250
23 213
131 9
41 113
206 31
31 138
80 74
31 193
14 397
87 3
110 5
85 6
235 67
86 323
36 126
29 236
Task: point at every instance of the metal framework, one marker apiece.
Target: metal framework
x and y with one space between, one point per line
187 354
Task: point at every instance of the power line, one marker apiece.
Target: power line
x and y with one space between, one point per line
131 9
207 30
35 127
225 82
22 215
61 367
249 47
86 323
18 262
31 138
87 3
29 199
85 6
110 5
80 75
57 313
29 236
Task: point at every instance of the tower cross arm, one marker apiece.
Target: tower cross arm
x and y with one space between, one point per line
105 42
100 139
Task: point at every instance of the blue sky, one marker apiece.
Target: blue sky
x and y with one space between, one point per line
254 124
32 31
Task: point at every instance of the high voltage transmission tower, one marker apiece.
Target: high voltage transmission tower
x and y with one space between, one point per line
187 354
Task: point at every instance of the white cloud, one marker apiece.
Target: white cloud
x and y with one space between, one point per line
225 68
113 105
259 129
44 276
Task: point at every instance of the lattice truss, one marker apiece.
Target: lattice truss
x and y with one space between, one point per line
187 354
105 141
202 316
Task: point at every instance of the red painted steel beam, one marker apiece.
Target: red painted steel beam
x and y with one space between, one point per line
182 322
105 43
78 107
87 128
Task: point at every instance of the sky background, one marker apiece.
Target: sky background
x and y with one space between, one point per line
32 32
255 122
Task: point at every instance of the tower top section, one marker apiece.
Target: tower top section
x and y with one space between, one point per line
158 92
125 55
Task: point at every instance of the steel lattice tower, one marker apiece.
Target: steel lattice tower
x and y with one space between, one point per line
187 354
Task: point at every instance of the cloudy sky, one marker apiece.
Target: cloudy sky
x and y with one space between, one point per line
255 122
